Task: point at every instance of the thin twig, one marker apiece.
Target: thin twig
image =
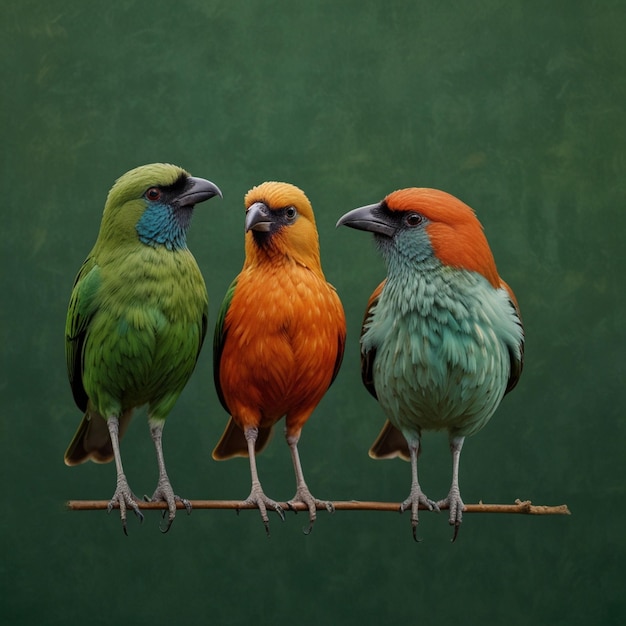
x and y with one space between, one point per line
520 507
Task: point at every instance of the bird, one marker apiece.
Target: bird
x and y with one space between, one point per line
136 321
442 339
279 338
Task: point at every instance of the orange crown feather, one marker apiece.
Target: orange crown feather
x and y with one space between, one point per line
455 233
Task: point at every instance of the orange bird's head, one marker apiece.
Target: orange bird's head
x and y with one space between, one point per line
420 222
280 225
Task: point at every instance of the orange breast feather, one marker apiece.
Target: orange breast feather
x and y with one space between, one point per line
284 340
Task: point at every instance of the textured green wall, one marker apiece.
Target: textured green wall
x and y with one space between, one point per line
516 107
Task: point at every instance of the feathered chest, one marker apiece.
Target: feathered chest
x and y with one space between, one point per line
291 302
145 318
148 279
441 341
282 340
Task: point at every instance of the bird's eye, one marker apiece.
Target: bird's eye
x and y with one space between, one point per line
291 213
154 193
414 219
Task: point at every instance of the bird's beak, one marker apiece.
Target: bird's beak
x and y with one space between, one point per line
198 190
258 217
368 218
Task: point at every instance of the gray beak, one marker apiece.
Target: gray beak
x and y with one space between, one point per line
198 190
258 217
368 218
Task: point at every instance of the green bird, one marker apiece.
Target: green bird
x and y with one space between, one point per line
136 321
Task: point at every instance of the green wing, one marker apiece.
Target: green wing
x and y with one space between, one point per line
219 338
79 315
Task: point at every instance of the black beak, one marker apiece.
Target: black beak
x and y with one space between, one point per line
198 190
368 218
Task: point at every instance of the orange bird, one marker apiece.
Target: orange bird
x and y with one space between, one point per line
279 338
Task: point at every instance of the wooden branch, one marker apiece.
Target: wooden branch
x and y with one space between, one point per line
520 507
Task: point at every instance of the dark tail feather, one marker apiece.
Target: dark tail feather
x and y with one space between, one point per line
389 444
92 441
233 442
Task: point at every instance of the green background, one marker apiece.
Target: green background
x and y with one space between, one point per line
516 107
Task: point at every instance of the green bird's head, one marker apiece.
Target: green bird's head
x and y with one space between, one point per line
153 204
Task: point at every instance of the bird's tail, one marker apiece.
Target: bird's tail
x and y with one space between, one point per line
389 444
233 442
92 440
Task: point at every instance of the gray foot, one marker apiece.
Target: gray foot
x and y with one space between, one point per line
454 503
304 495
165 493
417 497
262 502
125 499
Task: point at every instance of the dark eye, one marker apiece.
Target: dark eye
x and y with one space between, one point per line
414 219
291 213
154 193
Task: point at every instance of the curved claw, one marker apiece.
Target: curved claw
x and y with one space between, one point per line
417 497
457 525
266 521
168 525
456 507
134 508
303 495
164 493
170 520
122 515
279 510
415 538
124 498
262 502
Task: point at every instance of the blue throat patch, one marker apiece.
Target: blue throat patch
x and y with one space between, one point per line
160 225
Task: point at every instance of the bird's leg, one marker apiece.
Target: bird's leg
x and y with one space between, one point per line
257 496
164 491
416 496
453 500
302 491
123 496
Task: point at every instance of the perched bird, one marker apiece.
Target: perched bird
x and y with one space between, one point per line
136 321
279 338
442 339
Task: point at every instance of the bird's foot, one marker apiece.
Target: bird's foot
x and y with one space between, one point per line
262 502
304 495
417 497
456 507
165 493
125 499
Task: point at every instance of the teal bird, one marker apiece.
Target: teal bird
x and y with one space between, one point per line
136 321
442 340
